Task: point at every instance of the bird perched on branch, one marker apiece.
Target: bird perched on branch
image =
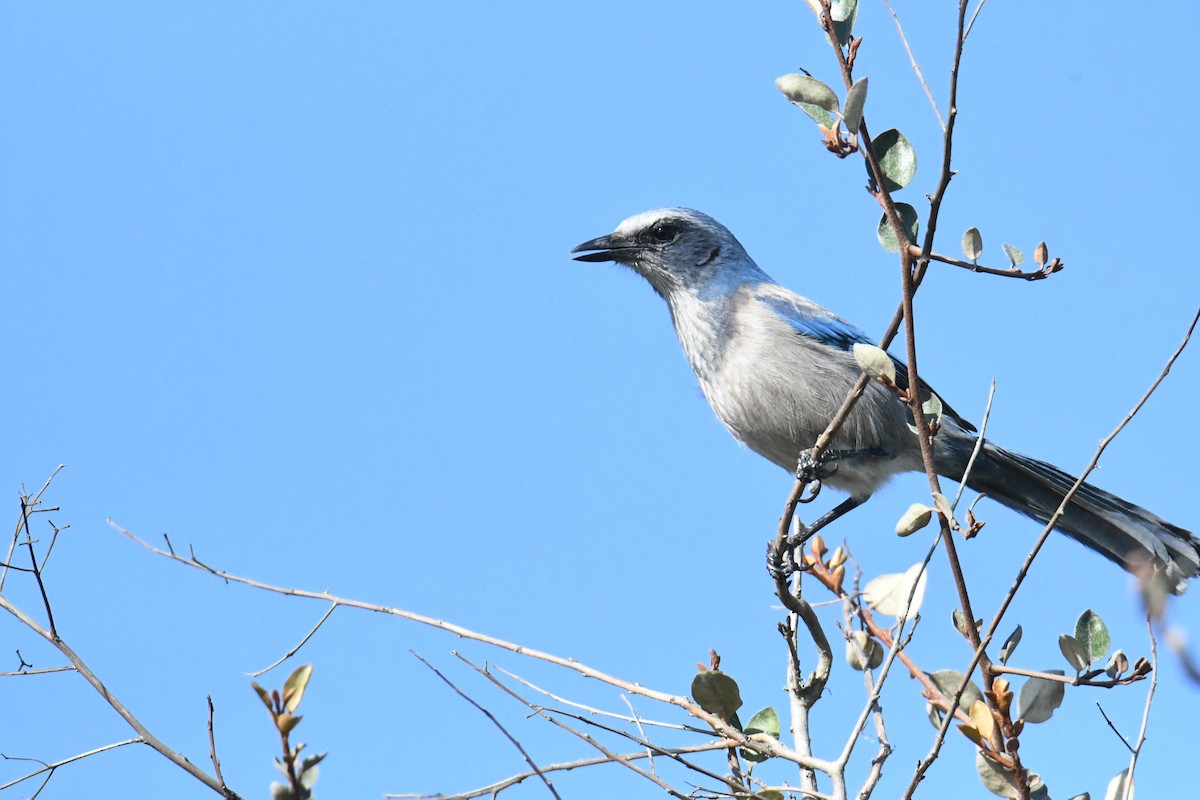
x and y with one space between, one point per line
775 368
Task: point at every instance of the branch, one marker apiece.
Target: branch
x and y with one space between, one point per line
1028 563
144 734
494 721
916 67
772 747
51 767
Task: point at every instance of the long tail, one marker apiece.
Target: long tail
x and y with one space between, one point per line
1120 531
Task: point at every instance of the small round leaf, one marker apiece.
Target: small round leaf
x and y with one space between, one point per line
1015 254
716 693
1039 697
896 157
908 218
807 89
1092 633
972 243
855 98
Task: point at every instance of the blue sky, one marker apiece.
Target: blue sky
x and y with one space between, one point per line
291 283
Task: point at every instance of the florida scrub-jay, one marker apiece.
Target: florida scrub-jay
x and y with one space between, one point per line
775 367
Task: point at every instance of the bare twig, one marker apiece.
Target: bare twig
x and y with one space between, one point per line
45 671
37 573
296 649
565 766
971 24
50 768
144 734
1141 740
1028 563
33 502
492 717
765 745
916 67
212 749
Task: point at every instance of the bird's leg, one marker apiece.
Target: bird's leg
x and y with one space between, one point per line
815 471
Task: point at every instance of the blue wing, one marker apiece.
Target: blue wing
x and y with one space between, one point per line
819 324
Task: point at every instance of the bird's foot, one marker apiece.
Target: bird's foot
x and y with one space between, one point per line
781 563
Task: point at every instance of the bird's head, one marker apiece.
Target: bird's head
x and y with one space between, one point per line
676 249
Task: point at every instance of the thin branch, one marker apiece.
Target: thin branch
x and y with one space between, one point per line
296 649
916 67
766 746
144 734
599 711
565 766
971 24
492 717
1141 740
1012 272
545 713
34 501
1076 680
37 573
51 767
212 749
45 671
1028 563
1120 735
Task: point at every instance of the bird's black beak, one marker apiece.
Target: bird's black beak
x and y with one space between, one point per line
610 249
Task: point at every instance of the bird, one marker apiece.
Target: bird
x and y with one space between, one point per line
775 367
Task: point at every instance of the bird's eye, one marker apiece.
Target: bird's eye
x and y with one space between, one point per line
663 231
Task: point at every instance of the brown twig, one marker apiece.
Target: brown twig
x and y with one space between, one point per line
1012 272
1045 534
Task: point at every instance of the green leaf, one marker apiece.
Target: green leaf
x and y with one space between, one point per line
855 98
1074 652
1039 697
996 779
1092 633
808 90
972 243
896 157
765 721
1120 787
843 13
294 686
1014 254
1010 645
947 682
716 693
908 218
